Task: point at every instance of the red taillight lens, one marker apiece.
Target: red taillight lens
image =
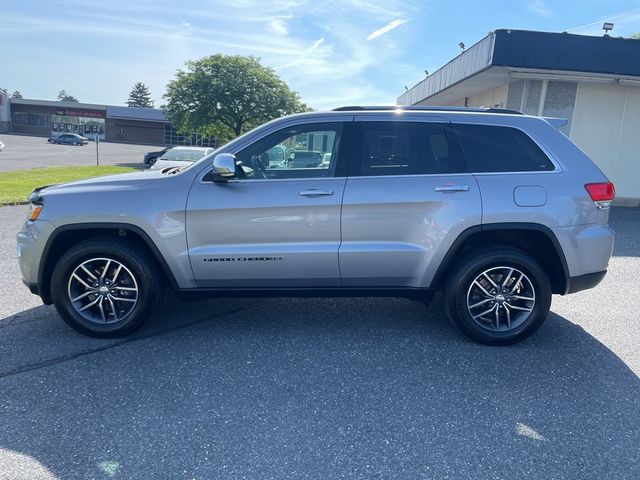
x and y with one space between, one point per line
602 194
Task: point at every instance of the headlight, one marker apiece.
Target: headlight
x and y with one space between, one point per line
36 208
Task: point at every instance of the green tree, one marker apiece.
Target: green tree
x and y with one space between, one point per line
16 94
636 35
64 97
140 96
225 96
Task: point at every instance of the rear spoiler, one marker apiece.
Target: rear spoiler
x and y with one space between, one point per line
557 122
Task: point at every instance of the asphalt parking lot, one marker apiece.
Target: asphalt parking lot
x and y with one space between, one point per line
23 152
322 388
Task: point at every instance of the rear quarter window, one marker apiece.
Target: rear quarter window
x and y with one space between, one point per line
490 148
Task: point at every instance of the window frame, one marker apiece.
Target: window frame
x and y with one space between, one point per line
457 162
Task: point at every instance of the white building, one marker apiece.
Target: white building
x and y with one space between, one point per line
594 82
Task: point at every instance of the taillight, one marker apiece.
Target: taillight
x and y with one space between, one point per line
602 194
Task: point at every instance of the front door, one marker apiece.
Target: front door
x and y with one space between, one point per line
278 223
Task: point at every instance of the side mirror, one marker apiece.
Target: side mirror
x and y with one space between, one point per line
224 167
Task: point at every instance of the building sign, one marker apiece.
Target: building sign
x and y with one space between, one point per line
80 113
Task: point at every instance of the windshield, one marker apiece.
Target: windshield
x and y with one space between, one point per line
183 155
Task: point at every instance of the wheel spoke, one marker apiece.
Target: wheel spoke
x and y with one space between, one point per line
104 318
506 309
89 305
113 307
485 312
122 299
104 272
88 272
126 289
115 275
80 297
81 281
497 317
524 309
484 290
480 303
520 297
506 278
495 285
514 286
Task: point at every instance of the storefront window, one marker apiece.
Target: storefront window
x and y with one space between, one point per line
89 127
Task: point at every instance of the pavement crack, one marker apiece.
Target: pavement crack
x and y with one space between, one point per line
72 356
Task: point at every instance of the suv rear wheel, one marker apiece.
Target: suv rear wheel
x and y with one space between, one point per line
106 287
498 295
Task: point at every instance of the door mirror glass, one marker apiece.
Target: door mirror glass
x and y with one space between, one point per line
224 167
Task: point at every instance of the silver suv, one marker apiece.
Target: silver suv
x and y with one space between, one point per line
495 209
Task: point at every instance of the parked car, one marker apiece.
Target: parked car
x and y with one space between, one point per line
495 209
69 139
151 157
1 146
180 156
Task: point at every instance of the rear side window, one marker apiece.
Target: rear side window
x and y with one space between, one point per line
490 148
402 148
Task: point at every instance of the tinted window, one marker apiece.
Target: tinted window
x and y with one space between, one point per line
403 148
500 149
305 151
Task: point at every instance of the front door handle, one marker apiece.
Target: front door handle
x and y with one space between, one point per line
452 188
314 192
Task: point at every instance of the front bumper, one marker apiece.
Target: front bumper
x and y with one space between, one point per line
31 242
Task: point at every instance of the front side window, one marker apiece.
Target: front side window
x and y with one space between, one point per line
490 148
403 148
304 151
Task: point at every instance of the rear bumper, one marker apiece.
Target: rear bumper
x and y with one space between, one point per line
584 282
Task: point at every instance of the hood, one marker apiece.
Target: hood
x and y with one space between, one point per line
121 181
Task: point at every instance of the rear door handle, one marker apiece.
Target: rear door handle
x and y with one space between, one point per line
314 192
452 188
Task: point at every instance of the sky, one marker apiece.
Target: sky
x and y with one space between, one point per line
333 53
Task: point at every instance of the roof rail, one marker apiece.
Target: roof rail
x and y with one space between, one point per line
426 108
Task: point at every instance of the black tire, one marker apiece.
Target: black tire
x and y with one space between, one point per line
459 287
136 261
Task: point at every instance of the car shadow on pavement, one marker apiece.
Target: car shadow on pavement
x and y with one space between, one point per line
136 165
313 388
626 223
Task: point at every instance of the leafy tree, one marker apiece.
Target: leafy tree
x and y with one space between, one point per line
64 97
224 96
3 90
140 96
16 94
636 35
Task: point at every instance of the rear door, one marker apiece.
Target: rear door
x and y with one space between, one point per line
407 198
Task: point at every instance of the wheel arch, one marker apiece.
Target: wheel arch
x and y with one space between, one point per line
535 239
62 238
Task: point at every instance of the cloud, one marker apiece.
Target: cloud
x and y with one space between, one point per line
625 23
538 7
318 48
387 28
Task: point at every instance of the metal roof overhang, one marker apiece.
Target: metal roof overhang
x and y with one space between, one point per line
493 77
507 54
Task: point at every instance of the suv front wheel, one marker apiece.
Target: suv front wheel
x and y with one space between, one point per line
498 295
106 287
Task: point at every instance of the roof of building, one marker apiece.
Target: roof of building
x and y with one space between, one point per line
112 111
136 113
491 62
58 104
